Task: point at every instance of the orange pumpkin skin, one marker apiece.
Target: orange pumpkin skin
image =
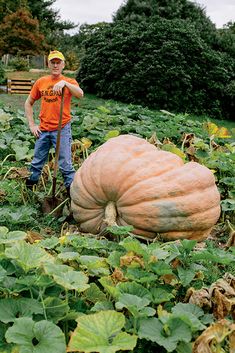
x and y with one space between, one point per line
152 190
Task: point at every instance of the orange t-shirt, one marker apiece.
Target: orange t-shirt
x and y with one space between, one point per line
50 103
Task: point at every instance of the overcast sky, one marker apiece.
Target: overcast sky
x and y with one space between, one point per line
93 11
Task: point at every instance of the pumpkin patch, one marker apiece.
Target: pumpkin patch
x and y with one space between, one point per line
128 181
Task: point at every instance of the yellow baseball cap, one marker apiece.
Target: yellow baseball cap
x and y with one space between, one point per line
55 54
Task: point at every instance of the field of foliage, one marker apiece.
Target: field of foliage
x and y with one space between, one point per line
61 290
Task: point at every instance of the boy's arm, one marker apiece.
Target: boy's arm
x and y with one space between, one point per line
29 115
75 90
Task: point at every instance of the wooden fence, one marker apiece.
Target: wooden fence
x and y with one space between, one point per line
19 86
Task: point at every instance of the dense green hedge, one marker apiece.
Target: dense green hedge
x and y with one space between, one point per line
163 64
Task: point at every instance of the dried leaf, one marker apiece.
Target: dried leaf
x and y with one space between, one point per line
223 286
154 140
130 259
33 237
18 173
213 335
118 276
231 240
199 297
222 305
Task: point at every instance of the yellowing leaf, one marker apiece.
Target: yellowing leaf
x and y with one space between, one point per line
86 143
173 149
101 332
111 133
103 109
211 128
223 132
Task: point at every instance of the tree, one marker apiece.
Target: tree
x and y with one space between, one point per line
136 11
162 64
19 34
50 24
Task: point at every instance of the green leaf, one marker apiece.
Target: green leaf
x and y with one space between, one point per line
90 122
102 306
134 245
228 205
68 256
161 295
103 109
188 244
120 230
94 264
135 305
214 255
135 289
186 275
159 253
184 347
161 268
168 335
141 276
101 332
109 286
3 273
94 294
110 134
67 277
36 337
190 314
12 309
56 309
49 243
114 258
7 237
28 256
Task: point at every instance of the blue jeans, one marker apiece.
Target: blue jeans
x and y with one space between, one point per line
46 140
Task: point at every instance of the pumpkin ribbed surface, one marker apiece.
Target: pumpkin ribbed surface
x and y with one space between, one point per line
152 190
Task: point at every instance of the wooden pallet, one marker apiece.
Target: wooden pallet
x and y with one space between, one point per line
19 86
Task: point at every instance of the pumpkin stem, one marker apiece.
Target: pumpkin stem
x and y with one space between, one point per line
110 214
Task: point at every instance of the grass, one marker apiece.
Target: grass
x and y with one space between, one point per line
34 74
16 102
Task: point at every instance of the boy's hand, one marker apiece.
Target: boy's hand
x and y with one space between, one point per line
59 86
35 130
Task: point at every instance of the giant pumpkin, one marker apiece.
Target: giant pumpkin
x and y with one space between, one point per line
128 181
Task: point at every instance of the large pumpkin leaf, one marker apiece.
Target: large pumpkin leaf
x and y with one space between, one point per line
167 335
7 237
12 309
109 286
3 273
95 265
101 332
28 256
135 289
73 280
190 314
67 277
55 308
36 337
161 295
94 294
135 305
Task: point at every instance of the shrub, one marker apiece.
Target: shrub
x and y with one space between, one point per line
2 74
19 63
163 64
